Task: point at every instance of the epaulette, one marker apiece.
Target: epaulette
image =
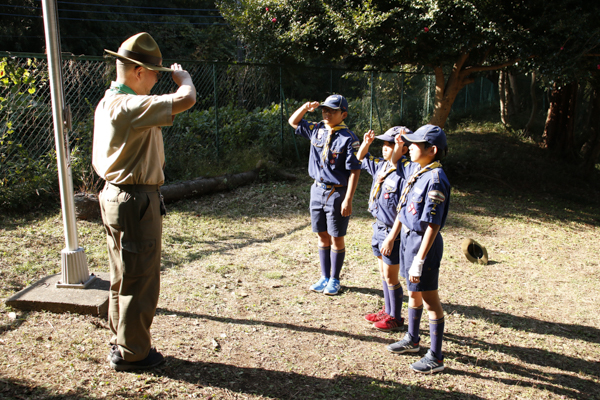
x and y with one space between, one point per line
436 176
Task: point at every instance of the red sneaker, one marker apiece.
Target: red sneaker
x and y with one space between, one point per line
371 318
389 324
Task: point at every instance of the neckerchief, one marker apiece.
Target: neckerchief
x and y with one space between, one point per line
413 179
330 133
121 88
380 178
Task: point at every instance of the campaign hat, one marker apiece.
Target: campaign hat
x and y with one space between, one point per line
141 49
474 251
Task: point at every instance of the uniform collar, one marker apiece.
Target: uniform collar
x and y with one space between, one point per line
121 88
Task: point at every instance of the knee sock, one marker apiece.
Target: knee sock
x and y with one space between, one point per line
436 333
395 293
386 297
325 257
414 320
337 261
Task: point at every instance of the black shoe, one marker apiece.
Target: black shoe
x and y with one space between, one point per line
153 359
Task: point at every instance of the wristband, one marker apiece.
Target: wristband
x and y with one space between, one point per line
416 268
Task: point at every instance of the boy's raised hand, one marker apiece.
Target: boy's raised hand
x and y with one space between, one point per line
398 138
312 105
369 137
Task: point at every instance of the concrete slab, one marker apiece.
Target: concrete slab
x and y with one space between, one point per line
45 296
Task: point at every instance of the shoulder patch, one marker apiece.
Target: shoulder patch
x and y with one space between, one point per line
436 196
436 176
311 126
356 145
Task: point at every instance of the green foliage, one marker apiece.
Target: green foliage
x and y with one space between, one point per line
184 29
192 147
25 176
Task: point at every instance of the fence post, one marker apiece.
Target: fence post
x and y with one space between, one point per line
372 98
331 81
281 107
481 92
402 98
216 109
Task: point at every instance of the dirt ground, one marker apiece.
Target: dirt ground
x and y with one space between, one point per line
236 321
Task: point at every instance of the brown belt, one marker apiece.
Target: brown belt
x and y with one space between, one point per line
327 187
134 188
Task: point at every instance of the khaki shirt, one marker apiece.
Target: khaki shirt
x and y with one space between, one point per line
128 143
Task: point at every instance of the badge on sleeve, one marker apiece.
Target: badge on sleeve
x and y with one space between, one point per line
436 196
356 145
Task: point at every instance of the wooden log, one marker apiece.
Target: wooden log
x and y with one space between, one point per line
87 206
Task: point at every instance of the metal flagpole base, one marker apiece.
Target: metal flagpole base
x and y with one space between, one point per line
75 273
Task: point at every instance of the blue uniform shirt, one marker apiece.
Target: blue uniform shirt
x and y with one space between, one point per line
341 157
384 206
427 202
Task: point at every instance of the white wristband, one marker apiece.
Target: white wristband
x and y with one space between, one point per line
416 268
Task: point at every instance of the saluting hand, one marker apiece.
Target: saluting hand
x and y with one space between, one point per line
369 136
179 74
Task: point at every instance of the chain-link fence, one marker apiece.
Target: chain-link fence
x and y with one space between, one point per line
240 109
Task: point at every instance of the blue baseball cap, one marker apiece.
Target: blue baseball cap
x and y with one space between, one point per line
431 134
390 134
335 102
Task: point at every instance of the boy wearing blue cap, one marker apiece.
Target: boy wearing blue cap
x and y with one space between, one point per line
334 167
422 212
383 200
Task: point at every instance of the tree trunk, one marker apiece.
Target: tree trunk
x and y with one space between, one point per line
507 100
591 149
559 130
534 105
514 89
446 92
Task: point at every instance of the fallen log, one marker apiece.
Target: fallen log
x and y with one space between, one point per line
88 208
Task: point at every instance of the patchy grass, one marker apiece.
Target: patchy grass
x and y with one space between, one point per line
236 267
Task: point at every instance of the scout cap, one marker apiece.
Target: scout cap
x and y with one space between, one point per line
391 133
142 50
431 134
335 102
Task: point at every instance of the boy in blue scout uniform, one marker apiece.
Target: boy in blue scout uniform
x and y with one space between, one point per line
383 200
334 167
422 212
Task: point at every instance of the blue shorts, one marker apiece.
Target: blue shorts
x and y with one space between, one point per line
409 247
380 232
326 210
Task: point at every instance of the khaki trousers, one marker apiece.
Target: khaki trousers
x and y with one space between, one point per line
131 216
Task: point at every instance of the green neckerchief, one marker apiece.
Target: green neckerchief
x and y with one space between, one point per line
121 88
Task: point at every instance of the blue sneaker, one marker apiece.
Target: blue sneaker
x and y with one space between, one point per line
320 285
333 287
428 364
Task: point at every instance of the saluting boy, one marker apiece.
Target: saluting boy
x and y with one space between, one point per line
423 208
334 167
383 201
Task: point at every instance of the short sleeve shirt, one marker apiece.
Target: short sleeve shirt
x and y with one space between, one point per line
427 202
128 143
386 202
341 156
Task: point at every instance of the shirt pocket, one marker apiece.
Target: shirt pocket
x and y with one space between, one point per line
390 195
337 157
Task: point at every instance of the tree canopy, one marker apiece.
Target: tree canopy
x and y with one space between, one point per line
454 38
184 29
